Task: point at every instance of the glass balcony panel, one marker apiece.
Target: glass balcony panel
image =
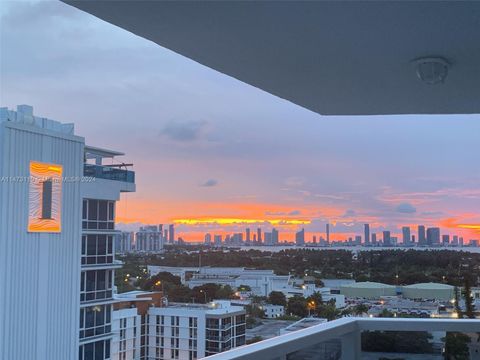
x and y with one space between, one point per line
108 173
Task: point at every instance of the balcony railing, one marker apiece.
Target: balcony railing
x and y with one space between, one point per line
108 173
346 331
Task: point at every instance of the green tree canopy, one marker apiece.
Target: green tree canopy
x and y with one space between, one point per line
277 298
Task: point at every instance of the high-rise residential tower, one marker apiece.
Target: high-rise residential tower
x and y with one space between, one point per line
433 236
406 235
63 231
366 229
149 239
422 240
171 233
300 237
40 236
97 254
387 241
208 239
274 236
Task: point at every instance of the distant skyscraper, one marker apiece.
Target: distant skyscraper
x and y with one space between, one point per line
267 238
208 239
406 235
455 240
165 236
217 239
374 239
247 235
124 241
327 233
460 241
386 239
358 240
433 236
259 235
366 229
237 239
422 240
300 237
445 239
314 239
149 239
171 233
254 238
274 236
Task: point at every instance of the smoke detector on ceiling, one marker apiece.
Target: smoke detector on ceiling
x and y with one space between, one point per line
432 70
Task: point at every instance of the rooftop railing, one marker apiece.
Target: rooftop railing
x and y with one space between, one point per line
108 173
347 331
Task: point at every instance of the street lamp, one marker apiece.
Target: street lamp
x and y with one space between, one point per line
158 283
205 294
310 306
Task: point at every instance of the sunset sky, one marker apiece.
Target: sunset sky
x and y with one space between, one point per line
213 154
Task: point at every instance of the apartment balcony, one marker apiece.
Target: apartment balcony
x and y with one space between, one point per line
108 173
106 180
341 339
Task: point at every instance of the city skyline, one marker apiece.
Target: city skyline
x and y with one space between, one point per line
417 235
236 152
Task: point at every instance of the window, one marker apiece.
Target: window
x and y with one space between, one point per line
95 320
97 249
98 350
98 214
96 285
212 323
226 322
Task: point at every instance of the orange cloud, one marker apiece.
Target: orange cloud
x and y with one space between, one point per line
239 221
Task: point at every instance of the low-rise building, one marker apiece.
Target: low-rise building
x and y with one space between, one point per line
147 326
367 290
431 291
273 311
406 307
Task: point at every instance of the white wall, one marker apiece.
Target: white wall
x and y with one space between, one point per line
132 339
39 272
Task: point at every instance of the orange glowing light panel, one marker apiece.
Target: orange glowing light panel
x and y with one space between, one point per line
44 202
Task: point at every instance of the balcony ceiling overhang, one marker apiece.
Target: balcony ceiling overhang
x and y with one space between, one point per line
332 57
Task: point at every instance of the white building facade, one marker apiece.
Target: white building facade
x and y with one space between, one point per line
175 331
273 311
98 263
149 239
40 256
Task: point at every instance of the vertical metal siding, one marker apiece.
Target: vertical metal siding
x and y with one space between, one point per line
39 272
